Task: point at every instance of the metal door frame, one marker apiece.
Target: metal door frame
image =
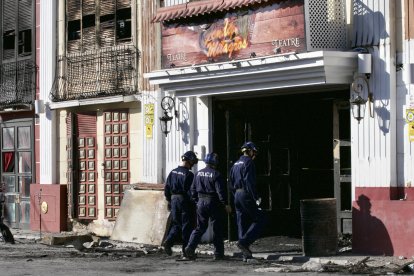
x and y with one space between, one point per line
338 177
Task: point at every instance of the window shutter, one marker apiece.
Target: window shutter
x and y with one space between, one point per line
107 7
107 23
122 4
73 9
25 15
88 7
9 15
86 124
9 28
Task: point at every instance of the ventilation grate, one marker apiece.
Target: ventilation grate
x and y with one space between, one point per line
326 24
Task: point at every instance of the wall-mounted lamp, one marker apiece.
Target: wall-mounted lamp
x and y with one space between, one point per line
358 100
172 65
358 107
211 60
252 55
167 104
166 123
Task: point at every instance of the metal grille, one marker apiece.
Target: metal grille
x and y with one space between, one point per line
116 160
326 24
97 73
17 83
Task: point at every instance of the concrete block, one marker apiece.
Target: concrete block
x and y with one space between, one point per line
142 218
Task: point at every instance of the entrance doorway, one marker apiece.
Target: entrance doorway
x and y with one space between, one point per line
295 135
17 171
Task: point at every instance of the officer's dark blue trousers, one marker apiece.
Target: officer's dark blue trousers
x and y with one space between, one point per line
181 220
250 220
209 208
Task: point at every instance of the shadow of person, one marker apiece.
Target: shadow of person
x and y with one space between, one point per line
369 234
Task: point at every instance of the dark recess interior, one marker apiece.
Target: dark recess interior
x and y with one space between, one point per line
295 136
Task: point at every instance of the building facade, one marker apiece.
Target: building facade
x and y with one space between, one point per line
322 87
18 94
92 96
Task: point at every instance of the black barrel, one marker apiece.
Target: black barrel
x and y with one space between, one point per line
319 229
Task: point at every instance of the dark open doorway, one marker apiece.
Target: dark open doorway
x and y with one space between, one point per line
295 136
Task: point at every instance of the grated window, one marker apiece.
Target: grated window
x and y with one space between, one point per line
326 26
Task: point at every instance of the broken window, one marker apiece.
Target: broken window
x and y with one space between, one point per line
74 30
88 21
8 40
123 24
25 42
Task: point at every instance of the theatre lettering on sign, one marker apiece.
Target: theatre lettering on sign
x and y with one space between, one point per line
256 31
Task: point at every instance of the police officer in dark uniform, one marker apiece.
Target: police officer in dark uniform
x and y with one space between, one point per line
177 193
208 190
246 200
4 229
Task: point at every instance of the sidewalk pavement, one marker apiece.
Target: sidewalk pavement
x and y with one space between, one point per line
272 249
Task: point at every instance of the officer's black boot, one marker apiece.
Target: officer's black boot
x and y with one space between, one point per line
245 250
190 253
167 248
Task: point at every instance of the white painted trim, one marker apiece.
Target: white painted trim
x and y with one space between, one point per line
47 120
94 101
265 73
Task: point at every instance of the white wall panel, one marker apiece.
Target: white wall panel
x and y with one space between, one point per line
151 147
374 139
180 139
192 131
405 92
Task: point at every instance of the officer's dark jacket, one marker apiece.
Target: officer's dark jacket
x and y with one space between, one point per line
208 182
243 176
178 182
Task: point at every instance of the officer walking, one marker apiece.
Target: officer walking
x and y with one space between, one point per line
243 182
208 190
177 193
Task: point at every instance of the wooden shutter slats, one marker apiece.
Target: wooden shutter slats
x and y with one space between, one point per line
88 7
107 34
122 4
9 15
73 9
86 124
25 15
107 7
